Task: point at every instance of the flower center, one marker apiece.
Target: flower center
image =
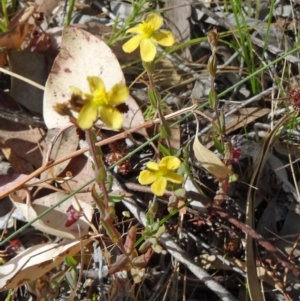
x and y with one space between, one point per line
162 170
147 29
99 98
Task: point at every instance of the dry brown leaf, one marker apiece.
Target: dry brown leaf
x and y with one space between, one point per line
7 181
19 164
82 171
23 141
209 160
22 16
47 6
244 116
17 33
54 222
13 39
36 262
18 29
64 144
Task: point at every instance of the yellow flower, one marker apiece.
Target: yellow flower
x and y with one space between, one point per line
159 174
101 104
148 35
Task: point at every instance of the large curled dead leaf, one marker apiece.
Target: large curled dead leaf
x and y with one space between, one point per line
209 160
36 262
81 55
54 222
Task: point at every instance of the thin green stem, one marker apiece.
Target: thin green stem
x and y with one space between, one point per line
5 14
3 28
100 174
70 11
156 102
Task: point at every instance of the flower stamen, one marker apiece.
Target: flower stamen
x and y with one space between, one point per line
100 103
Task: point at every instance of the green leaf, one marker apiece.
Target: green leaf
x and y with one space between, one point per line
180 192
165 131
222 122
213 99
115 198
152 97
70 261
101 176
164 150
232 178
218 145
216 128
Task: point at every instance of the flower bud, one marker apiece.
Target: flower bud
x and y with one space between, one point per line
212 65
213 37
213 99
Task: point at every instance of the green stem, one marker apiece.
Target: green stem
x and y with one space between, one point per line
70 11
5 14
100 174
156 102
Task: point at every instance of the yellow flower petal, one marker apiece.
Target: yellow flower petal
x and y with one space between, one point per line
171 162
132 44
148 50
174 177
89 97
146 177
155 21
159 186
76 91
111 117
87 116
136 30
95 83
118 94
152 166
164 38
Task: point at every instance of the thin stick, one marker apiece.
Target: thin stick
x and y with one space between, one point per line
24 79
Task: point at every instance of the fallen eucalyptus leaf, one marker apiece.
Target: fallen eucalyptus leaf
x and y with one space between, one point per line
36 261
54 222
81 55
